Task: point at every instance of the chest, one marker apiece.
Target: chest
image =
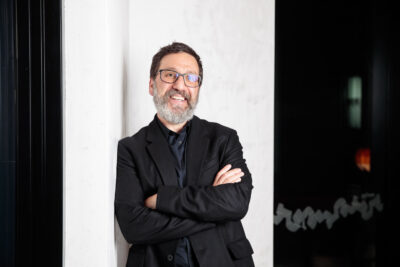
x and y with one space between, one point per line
201 166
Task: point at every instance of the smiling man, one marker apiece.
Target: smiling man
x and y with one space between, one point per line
182 183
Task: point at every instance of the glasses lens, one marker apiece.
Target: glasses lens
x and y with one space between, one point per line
192 79
168 76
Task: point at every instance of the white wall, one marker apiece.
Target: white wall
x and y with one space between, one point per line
235 40
95 50
108 45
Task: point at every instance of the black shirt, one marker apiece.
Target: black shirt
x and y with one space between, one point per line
177 144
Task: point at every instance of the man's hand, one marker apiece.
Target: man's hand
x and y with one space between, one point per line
151 201
228 176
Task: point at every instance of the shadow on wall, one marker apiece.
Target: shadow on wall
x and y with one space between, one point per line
121 246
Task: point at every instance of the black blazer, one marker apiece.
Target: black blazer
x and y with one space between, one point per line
208 215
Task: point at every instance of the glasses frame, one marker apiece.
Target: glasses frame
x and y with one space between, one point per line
183 76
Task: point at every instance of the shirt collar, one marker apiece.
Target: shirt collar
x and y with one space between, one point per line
166 132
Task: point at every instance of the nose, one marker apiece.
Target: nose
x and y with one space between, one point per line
179 84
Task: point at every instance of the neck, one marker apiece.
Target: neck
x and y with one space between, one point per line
173 127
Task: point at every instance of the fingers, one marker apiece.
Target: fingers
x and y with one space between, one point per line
232 176
220 173
151 201
226 175
223 170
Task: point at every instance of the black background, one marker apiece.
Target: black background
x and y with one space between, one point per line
31 133
319 46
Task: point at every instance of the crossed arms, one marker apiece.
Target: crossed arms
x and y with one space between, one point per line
177 212
226 175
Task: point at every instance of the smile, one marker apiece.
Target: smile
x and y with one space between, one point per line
178 97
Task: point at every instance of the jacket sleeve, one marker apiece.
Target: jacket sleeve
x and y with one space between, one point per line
139 224
227 202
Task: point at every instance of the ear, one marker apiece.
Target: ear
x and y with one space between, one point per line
151 84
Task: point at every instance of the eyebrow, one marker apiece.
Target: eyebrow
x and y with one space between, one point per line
174 69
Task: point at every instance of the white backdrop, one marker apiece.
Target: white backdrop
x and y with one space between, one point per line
108 46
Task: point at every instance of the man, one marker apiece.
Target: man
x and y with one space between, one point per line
182 183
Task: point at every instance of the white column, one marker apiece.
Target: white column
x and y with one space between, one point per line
95 42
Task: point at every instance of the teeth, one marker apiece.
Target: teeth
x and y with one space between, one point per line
178 98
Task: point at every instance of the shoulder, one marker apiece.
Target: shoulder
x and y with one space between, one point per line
138 139
213 128
219 136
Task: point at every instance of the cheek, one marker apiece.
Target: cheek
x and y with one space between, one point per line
194 94
162 90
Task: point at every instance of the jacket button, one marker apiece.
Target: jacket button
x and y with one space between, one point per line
170 257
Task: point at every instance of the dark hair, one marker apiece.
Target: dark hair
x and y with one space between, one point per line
173 48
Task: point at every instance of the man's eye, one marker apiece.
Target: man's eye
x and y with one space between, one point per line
193 77
170 74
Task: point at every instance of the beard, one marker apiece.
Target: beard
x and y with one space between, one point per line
175 114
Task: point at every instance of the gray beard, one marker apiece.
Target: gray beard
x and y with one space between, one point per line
177 115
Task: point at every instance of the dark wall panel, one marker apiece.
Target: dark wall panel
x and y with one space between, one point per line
336 68
39 133
7 134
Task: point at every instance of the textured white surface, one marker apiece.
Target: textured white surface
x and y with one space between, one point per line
95 43
236 42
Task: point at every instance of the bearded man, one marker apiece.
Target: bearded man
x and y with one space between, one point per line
182 183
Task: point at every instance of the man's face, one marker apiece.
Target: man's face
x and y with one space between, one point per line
175 102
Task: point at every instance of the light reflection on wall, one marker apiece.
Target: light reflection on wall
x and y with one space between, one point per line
354 98
363 159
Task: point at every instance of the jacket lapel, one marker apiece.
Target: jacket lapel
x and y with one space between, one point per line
160 153
197 145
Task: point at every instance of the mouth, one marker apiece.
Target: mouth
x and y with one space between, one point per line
178 97
179 100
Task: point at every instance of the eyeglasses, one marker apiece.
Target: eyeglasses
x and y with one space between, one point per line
190 79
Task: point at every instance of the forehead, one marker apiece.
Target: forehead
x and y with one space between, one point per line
181 62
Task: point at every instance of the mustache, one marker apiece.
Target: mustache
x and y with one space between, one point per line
172 92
